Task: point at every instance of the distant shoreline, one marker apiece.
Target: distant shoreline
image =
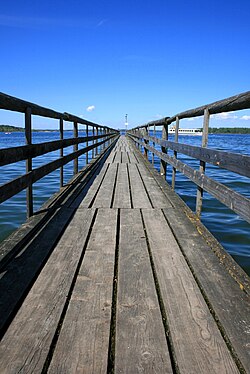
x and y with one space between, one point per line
212 130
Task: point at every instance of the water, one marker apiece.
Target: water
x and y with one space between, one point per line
232 232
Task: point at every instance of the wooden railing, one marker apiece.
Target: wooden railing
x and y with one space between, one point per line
101 136
236 163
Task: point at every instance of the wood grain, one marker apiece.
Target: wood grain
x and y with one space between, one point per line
198 344
25 345
141 345
84 338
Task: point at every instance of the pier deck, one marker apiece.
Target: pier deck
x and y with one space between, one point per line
131 285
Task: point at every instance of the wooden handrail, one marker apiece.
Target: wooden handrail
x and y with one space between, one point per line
237 102
234 200
29 151
235 162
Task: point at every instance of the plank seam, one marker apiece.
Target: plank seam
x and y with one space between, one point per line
114 187
112 335
98 189
144 186
66 305
210 307
129 161
170 344
130 189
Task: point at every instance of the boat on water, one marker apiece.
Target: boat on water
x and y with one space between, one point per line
198 132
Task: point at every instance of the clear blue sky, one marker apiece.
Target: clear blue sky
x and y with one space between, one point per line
148 59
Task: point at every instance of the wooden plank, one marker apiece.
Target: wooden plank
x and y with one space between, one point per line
133 159
139 196
228 299
124 156
84 338
197 341
110 158
105 194
25 345
141 345
117 158
122 192
157 197
88 199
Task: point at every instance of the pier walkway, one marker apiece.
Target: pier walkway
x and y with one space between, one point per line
132 284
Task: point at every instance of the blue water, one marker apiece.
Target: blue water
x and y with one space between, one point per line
232 232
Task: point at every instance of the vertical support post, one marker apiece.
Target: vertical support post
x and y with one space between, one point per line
176 138
202 163
28 137
145 131
93 142
87 144
164 136
96 149
153 155
75 148
61 152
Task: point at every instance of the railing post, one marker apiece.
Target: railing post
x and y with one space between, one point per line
87 154
61 152
75 147
176 138
96 153
153 155
202 163
164 136
145 131
28 136
93 142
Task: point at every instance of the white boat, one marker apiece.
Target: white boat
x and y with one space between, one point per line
198 132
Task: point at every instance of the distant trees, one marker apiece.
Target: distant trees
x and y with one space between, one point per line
8 128
229 130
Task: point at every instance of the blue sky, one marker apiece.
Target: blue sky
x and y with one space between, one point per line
148 59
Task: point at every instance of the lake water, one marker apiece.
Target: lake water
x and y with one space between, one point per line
232 232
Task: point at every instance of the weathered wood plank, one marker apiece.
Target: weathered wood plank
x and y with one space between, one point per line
118 156
122 193
133 159
84 338
141 345
105 194
197 341
25 345
124 156
89 198
139 196
157 197
227 298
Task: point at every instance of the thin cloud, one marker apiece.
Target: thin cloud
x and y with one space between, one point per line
245 118
224 116
90 108
40 22
101 22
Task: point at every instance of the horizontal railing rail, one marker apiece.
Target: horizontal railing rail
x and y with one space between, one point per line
97 139
15 154
234 162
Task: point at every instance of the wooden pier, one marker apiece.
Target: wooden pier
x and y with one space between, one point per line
117 275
